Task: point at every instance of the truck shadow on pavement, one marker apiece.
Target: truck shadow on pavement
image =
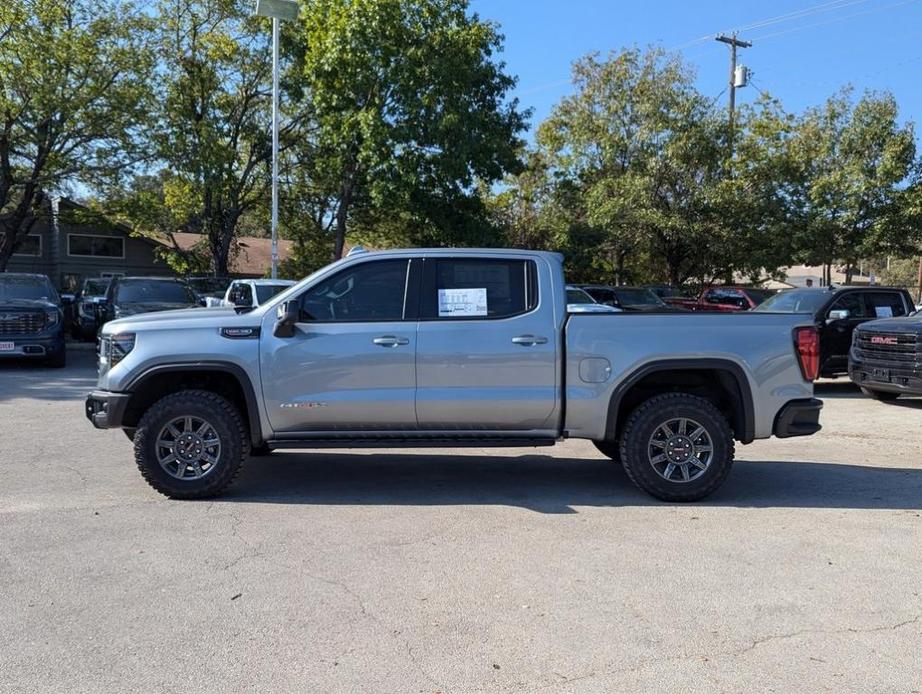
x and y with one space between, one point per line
845 389
23 378
553 485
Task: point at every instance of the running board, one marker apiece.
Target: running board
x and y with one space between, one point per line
411 442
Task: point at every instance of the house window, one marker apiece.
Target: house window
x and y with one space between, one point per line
30 246
87 245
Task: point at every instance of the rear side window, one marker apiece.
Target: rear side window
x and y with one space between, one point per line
885 304
372 291
478 288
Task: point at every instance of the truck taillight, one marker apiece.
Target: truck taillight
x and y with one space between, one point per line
807 342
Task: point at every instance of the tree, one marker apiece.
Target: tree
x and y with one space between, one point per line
73 99
854 162
411 109
640 153
213 136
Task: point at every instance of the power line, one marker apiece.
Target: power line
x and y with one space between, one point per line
834 20
769 21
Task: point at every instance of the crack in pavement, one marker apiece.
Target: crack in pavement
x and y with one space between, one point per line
393 632
721 654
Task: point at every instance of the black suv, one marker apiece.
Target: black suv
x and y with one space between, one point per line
837 312
886 357
31 319
92 292
129 296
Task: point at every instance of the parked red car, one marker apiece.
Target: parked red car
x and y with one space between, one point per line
723 299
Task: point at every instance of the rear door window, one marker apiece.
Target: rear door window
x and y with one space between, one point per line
478 288
885 304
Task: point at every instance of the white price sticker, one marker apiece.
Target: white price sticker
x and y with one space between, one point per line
462 302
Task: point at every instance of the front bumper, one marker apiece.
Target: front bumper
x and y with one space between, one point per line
885 376
798 418
39 346
106 409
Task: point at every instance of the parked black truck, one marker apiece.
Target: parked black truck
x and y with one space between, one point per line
886 358
31 319
837 312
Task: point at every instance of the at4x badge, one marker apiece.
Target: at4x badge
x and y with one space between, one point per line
302 405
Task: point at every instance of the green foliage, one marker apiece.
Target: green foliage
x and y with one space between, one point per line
74 98
212 137
410 109
852 162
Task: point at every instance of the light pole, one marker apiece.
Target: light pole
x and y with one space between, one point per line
277 10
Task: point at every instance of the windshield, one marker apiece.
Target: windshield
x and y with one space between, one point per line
638 297
212 286
578 296
95 287
154 292
24 287
264 292
795 301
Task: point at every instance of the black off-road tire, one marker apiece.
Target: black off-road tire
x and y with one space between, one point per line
881 395
610 449
58 361
639 428
228 424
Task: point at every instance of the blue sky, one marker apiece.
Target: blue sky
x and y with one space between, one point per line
873 44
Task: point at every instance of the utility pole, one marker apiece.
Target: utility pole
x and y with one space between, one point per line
734 43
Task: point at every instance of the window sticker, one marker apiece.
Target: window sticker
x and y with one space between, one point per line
884 311
462 302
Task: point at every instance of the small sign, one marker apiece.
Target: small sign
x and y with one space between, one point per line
884 311
462 302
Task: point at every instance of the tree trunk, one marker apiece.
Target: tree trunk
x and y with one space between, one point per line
342 216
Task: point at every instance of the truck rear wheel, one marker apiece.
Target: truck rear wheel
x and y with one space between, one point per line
190 444
677 447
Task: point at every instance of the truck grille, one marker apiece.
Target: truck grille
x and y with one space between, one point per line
900 353
21 323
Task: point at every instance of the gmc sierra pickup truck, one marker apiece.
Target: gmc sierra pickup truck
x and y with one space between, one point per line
452 348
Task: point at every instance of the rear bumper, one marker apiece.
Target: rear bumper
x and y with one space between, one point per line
798 418
106 409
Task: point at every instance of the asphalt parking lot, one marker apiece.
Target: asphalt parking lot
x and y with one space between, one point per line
487 571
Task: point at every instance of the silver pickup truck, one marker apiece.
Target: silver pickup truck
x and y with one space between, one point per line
452 348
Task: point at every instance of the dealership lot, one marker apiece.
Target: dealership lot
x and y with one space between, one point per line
490 570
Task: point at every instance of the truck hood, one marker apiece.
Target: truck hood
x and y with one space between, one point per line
202 317
27 304
907 324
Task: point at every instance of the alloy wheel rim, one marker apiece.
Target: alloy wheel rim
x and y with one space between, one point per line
188 448
680 450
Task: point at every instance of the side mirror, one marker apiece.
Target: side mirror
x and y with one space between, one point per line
287 316
67 299
837 314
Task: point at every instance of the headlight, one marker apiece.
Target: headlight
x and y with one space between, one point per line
114 348
51 318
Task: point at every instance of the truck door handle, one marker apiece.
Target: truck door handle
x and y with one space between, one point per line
390 341
529 340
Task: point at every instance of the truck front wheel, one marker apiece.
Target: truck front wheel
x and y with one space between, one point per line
677 447
190 444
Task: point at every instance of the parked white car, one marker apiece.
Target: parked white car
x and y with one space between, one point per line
253 293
